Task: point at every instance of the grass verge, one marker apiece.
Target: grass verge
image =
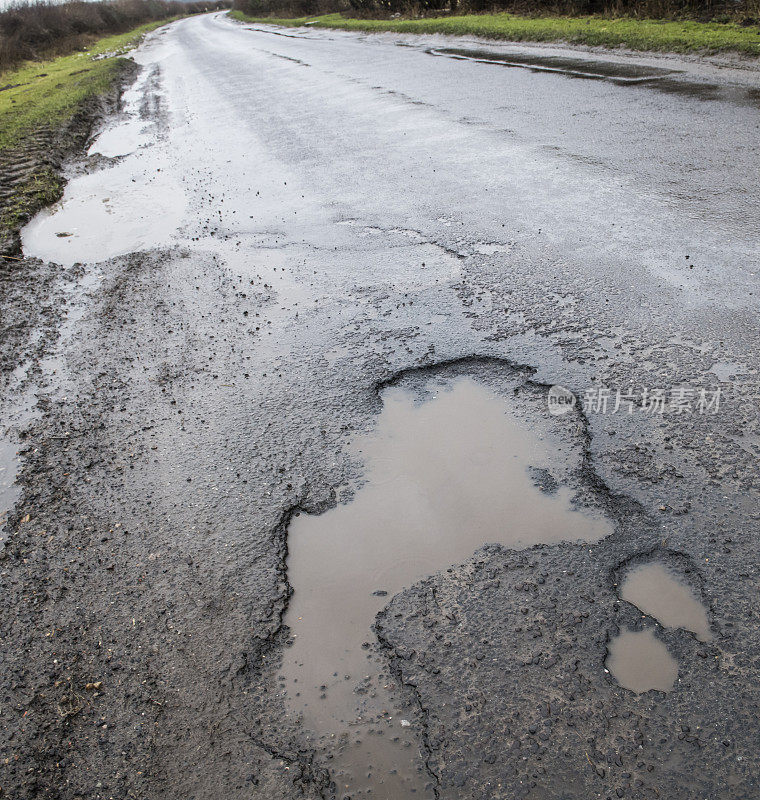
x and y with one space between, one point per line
637 34
44 116
51 92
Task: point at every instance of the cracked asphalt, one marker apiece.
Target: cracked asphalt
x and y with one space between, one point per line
276 227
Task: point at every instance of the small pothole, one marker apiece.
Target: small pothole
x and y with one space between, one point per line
658 592
639 661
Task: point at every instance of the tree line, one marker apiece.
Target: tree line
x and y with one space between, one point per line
33 31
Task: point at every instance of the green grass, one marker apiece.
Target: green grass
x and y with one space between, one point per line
39 190
45 93
637 34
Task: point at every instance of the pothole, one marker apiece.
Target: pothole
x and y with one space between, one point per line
453 463
640 662
658 592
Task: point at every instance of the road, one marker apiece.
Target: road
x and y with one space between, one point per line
280 362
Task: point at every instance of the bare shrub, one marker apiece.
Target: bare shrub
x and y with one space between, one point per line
30 31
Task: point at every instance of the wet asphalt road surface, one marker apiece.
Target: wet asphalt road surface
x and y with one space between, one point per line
285 239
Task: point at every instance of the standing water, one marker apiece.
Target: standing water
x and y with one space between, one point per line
443 477
660 593
8 490
640 662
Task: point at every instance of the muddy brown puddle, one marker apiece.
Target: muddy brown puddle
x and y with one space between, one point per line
444 474
641 662
659 593
638 660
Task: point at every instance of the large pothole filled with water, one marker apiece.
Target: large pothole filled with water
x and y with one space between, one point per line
455 461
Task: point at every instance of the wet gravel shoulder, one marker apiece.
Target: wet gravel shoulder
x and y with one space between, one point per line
123 629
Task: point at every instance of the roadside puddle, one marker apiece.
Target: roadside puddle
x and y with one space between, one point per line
640 662
126 206
121 139
445 473
669 81
131 206
657 592
573 67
